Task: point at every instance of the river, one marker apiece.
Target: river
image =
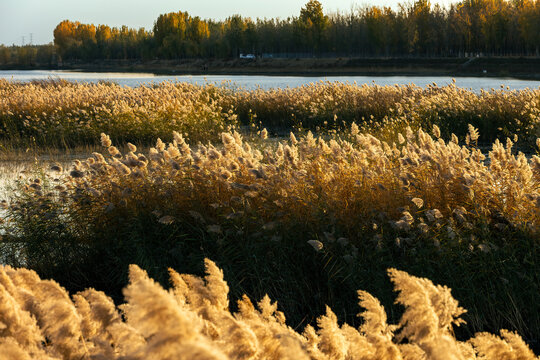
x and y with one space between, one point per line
267 82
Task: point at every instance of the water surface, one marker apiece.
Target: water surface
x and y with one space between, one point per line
268 82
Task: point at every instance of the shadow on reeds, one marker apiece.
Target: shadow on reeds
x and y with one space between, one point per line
285 225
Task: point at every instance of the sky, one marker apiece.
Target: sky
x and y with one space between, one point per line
36 19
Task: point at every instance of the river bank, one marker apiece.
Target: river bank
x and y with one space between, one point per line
516 67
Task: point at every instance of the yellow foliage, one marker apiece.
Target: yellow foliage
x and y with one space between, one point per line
192 321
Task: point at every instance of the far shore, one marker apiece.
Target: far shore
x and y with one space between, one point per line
515 67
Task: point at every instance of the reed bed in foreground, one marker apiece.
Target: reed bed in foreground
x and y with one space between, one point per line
59 113
320 215
192 320
421 185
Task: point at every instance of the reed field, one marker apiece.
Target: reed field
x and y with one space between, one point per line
57 113
193 321
303 196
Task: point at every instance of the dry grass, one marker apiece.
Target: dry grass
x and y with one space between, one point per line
304 218
322 105
339 203
64 114
72 114
422 186
193 321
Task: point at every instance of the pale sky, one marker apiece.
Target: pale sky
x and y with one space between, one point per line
20 18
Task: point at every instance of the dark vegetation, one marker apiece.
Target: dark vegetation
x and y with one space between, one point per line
499 288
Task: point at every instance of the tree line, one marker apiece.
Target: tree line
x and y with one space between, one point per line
28 55
470 27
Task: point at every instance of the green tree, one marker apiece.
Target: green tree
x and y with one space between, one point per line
529 24
46 54
170 32
379 26
5 55
235 34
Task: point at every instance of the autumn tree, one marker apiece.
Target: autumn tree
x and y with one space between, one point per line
469 27
313 23
379 27
528 19
65 36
